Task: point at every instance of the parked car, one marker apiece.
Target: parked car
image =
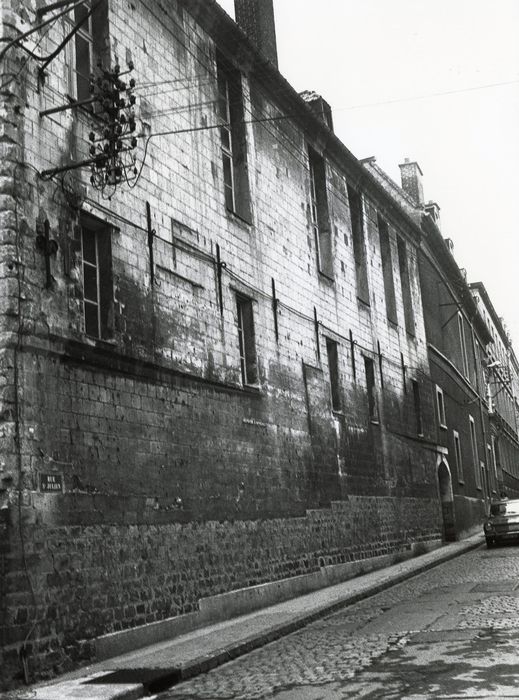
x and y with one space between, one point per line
502 523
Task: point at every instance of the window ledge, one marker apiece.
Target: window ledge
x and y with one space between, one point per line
252 388
99 342
461 482
325 277
233 216
374 421
443 426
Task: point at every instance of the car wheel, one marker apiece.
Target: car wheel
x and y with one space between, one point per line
490 543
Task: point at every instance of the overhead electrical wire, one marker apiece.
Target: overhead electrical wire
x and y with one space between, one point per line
263 120
260 120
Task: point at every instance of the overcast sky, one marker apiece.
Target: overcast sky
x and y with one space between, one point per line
436 81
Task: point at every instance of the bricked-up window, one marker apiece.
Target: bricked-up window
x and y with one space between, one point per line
387 269
88 46
463 345
320 213
369 367
233 140
405 281
359 249
457 455
247 341
97 277
475 455
417 400
440 407
332 352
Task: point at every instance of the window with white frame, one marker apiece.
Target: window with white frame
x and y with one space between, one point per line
492 465
88 46
233 139
405 280
97 276
387 269
463 345
457 455
475 455
319 212
359 244
440 407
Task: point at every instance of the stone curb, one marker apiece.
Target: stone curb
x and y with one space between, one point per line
204 664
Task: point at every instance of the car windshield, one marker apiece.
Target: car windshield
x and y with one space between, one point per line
505 508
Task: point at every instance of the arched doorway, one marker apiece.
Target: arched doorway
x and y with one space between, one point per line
447 500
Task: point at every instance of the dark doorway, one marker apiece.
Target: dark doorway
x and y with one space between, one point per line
447 502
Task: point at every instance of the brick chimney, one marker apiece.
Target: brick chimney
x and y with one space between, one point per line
411 176
256 18
319 106
434 212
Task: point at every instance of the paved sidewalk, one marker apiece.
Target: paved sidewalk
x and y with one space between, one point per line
155 668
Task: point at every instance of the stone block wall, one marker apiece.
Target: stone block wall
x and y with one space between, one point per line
83 581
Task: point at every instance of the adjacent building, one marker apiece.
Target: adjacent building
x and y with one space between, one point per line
457 337
501 378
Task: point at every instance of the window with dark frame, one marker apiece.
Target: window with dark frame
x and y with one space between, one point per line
369 367
405 281
332 351
417 401
320 212
247 340
387 270
233 140
359 250
97 277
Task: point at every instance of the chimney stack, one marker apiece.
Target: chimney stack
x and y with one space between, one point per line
434 212
411 176
256 18
319 107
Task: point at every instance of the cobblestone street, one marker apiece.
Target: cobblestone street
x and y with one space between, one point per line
462 615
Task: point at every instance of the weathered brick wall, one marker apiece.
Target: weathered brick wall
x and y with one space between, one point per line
90 580
130 433
153 425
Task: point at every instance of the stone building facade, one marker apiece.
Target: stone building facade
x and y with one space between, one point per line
501 375
214 374
457 337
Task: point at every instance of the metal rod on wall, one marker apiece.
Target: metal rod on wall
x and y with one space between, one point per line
352 350
151 233
219 267
275 304
48 276
380 364
316 326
